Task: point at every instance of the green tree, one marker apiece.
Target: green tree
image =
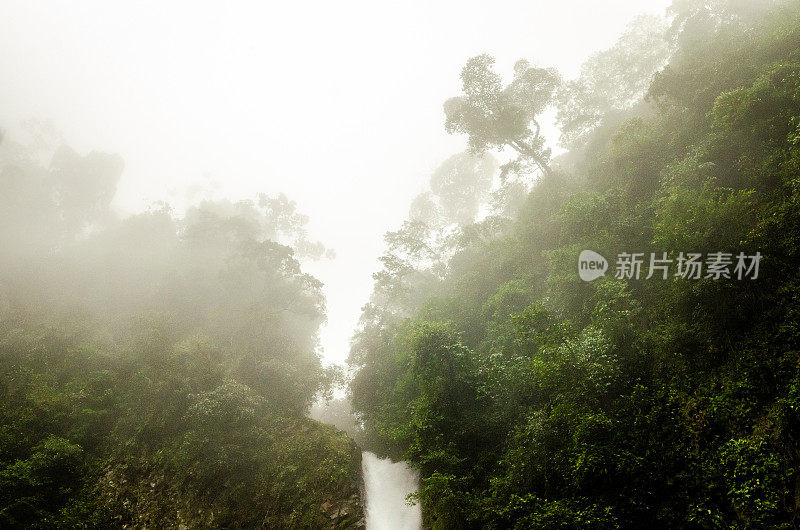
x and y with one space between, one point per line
494 116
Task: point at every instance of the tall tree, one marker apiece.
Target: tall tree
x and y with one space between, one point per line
495 116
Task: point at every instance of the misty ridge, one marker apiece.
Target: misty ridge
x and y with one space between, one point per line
218 271
167 368
158 344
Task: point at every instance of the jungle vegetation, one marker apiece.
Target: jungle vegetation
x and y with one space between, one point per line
528 398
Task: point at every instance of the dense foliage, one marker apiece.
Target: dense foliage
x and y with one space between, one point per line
528 398
155 371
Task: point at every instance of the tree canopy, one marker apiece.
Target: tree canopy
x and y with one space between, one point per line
528 398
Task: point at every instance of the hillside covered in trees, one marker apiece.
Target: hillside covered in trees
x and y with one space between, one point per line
155 371
161 370
529 398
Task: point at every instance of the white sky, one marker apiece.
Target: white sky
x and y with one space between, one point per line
336 104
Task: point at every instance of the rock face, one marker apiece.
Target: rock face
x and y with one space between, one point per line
347 510
347 513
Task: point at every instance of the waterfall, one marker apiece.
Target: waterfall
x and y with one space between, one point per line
387 483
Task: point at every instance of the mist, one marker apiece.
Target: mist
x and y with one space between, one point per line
215 101
324 265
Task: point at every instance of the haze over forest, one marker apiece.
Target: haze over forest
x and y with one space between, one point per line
215 100
519 265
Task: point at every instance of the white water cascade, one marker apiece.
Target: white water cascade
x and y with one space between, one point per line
387 484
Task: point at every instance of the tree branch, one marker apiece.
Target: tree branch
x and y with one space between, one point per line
527 151
538 128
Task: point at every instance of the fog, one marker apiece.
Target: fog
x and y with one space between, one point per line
337 105
448 265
